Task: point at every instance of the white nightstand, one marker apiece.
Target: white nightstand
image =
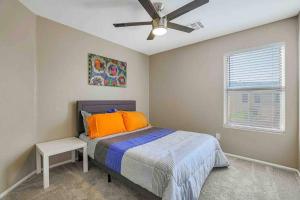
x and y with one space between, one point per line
51 148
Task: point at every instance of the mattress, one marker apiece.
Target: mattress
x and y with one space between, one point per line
172 164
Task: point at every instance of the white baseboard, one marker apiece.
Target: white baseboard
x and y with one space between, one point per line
60 163
265 163
8 190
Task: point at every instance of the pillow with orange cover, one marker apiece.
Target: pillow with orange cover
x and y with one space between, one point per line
134 120
101 125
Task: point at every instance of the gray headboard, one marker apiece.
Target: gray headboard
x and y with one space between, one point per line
101 107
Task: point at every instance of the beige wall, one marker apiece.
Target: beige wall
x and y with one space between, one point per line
186 92
43 72
298 88
63 77
17 90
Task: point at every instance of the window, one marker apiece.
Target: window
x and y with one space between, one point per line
254 91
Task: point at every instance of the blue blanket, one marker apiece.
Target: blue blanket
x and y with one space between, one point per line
116 150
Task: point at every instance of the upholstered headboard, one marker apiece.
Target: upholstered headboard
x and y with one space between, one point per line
101 107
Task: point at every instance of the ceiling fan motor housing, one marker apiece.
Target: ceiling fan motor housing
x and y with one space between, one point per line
160 23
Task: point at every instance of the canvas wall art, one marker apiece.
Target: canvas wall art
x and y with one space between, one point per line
106 71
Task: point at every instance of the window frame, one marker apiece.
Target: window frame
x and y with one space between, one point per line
226 123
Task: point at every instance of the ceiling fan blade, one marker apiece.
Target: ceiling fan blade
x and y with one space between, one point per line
149 8
132 24
186 8
180 27
151 36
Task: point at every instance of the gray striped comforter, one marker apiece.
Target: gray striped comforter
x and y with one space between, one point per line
173 166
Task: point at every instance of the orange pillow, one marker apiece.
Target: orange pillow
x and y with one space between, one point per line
101 125
134 120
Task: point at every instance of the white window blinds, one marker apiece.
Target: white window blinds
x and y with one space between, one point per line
255 88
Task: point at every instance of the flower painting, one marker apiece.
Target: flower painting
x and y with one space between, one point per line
106 71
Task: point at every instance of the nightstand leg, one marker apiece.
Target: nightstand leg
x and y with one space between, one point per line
46 171
38 162
85 160
73 155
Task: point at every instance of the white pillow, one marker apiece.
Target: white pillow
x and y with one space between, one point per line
84 116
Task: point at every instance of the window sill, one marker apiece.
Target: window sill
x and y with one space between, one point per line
254 129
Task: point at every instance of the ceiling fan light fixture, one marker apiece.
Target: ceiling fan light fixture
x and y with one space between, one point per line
159 26
159 31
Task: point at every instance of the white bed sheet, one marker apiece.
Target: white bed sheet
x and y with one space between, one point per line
91 143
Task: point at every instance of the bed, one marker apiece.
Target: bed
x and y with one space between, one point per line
160 162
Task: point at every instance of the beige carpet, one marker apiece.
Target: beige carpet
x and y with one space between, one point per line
243 180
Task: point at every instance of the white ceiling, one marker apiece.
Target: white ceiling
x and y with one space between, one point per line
219 17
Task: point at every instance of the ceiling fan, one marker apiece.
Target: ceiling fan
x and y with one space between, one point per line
161 24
